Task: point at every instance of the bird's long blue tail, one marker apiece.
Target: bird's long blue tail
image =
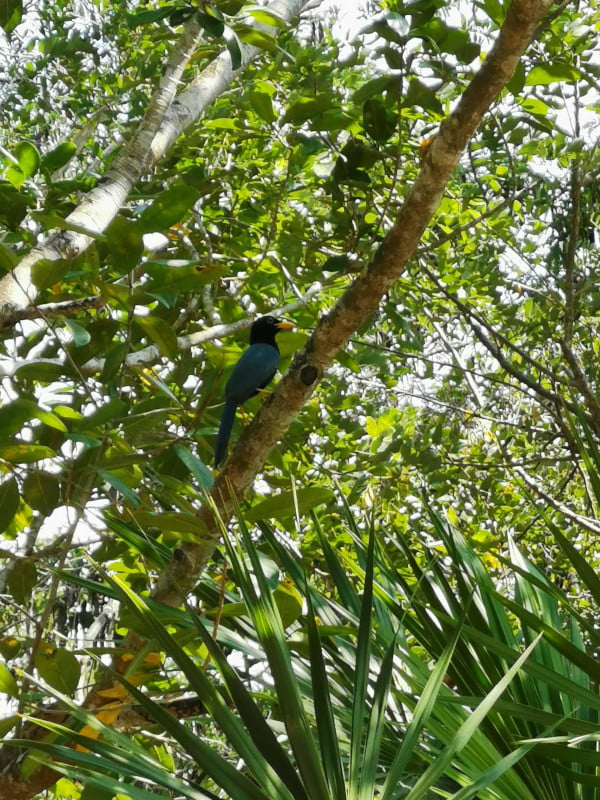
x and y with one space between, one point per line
225 426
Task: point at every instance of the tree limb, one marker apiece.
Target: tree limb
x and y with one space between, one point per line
358 302
586 523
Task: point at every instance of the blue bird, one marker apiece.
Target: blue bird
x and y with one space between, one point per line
254 370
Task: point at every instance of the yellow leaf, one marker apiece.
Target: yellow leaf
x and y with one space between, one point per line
115 691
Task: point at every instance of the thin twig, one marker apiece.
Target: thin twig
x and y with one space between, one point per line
64 308
585 522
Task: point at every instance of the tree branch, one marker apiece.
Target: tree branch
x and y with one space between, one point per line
47 310
584 522
151 354
358 302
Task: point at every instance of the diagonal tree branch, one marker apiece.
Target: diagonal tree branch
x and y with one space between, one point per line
358 302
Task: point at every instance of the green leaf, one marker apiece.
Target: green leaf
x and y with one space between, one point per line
151 377
8 259
15 176
372 88
28 157
58 157
286 504
183 522
534 106
419 94
89 442
96 792
262 105
383 29
113 361
119 485
222 124
13 205
102 333
552 72
263 738
469 728
235 52
106 413
376 723
59 668
255 38
22 579
424 709
168 208
376 120
69 48
15 414
211 24
19 453
124 243
9 502
265 16
50 221
320 683
161 334
51 420
458 43
155 552
148 17
8 684
178 277
353 162
197 467
394 58
108 763
289 603
7 724
66 412
11 12
81 336
181 15
10 647
237 784
46 273
337 263
364 646
308 108
42 371
261 605
41 491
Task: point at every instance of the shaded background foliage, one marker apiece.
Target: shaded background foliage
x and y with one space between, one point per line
474 385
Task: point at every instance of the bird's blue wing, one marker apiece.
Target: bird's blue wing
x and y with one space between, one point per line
256 367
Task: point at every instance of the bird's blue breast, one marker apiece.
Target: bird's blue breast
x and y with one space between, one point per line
254 370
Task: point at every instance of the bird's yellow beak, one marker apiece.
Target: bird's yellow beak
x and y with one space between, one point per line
285 326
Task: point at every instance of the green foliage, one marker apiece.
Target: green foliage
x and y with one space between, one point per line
11 13
472 391
436 680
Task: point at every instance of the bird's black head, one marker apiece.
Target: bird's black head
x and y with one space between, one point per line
265 329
